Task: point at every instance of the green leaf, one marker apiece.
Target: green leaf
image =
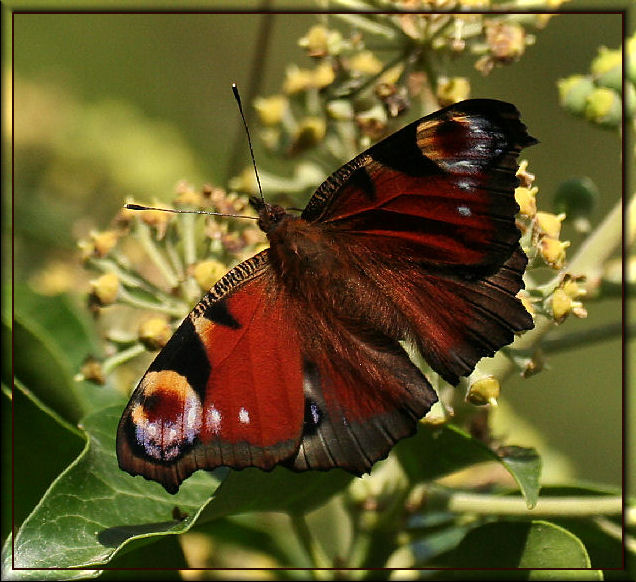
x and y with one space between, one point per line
42 366
9 573
602 536
521 544
33 426
436 451
74 333
163 552
565 575
51 340
525 466
278 490
93 509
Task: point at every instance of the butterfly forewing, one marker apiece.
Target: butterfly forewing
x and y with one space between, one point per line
439 190
225 391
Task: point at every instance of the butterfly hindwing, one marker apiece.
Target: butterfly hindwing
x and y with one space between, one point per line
362 395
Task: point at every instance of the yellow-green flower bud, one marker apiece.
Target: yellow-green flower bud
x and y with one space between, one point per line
154 333
553 251
91 371
323 75
603 106
310 132
453 90
340 109
526 179
106 288
484 391
189 197
104 241
507 41
527 302
573 93
527 200
207 273
296 80
365 62
550 224
572 288
607 69
563 305
271 109
315 41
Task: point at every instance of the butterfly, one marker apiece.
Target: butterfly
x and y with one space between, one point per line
295 358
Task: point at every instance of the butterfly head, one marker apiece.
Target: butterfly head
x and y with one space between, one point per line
269 215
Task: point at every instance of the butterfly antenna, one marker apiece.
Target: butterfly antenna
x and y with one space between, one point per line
249 139
132 206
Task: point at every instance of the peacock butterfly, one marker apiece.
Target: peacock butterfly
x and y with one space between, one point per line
293 357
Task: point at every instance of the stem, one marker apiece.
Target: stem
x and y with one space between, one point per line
155 255
601 244
188 228
128 298
583 506
568 341
119 358
315 552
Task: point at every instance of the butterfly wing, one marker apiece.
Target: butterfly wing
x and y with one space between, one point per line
429 215
227 389
440 190
362 394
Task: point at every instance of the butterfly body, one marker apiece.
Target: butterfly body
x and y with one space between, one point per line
295 356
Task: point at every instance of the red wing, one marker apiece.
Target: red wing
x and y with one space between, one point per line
227 389
439 191
455 321
362 395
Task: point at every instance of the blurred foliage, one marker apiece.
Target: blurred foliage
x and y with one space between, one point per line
78 157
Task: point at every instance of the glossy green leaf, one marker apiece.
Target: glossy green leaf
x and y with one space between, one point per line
43 367
64 318
525 466
565 575
521 544
164 554
278 490
93 509
51 339
35 466
436 451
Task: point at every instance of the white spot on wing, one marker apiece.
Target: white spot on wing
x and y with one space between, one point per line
464 211
214 419
244 416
